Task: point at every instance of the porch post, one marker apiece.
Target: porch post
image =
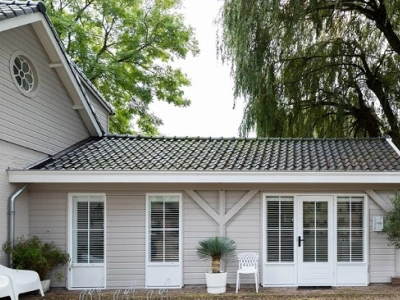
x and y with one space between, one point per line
222 206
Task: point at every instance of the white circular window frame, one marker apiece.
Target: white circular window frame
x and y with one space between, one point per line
33 92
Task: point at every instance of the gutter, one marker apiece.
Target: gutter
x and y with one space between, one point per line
11 227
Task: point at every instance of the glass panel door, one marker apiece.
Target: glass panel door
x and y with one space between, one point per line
315 240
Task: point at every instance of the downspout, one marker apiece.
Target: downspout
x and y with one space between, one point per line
11 226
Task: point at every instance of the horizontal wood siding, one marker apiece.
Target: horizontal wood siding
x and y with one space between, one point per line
46 122
197 225
382 256
48 220
14 156
125 221
245 229
101 112
126 239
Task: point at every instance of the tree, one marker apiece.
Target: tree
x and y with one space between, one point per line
126 48
315 68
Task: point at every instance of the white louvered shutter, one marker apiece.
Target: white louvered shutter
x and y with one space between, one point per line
164 229
280 230
350 229
88 231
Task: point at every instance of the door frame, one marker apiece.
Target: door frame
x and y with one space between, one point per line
70 237
330 200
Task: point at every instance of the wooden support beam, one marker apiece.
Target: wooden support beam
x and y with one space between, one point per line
239 205
378 199
204 205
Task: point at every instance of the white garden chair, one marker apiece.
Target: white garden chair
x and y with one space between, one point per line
6 288
23 281
248 264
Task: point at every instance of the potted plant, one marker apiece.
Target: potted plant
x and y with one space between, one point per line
392 229
216 249
34 254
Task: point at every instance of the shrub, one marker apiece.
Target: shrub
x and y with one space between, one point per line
392 223
34 254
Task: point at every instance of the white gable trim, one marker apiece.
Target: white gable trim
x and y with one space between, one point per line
57 58
20 21
77 176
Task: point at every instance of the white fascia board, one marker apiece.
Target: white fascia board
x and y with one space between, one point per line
47 38
49 176
21 21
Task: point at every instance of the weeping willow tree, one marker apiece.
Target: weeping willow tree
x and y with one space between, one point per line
314 68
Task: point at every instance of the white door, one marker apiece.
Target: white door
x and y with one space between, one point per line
315 241
86 247
164 241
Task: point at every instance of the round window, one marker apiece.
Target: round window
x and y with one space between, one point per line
24 74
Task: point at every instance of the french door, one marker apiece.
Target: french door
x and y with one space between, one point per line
86 246
315 241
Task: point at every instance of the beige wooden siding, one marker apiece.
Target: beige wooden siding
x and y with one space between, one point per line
197 225
46 122
125 239
101 112
382 256
48 220
14 156
125 228
245 229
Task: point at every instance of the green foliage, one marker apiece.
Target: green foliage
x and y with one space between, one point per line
314 68
216 249
126 49
34 254
392 223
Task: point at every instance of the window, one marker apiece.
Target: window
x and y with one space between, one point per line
24 74
164 225
88 229
350 230
279 229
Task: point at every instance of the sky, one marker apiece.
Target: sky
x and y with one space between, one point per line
211 112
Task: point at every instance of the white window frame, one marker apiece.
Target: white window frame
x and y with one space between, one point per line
70 232
148 246
365 227
265 196
29 60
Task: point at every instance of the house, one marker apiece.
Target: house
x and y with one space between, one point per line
128 207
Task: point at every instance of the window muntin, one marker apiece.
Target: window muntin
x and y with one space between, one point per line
350 229
279 229
23 73
315 231
164 213
88 229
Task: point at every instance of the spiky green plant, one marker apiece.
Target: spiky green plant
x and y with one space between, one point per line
216 249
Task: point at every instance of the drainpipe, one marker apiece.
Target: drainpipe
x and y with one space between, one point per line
11 226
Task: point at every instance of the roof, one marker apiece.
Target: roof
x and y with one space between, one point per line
11 9
138 153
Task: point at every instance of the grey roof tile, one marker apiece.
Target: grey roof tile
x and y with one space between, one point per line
11 9
115 152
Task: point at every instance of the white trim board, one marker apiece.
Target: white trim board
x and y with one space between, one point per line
127 176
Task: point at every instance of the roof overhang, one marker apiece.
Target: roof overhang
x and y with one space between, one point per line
59 62
77 176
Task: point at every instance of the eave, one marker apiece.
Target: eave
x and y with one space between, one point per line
85 176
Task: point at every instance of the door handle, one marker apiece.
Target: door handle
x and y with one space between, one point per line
299 239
